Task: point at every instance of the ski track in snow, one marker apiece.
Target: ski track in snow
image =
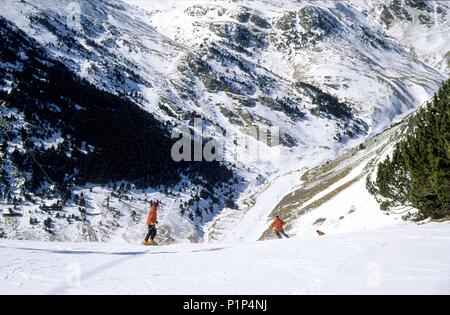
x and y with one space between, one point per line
396 260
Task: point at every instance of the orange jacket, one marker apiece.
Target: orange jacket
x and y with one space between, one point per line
152 217
278 224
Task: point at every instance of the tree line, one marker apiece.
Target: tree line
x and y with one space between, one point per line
418 172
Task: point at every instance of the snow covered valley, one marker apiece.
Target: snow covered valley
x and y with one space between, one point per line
92 92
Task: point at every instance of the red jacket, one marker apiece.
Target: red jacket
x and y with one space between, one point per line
152 216
278 224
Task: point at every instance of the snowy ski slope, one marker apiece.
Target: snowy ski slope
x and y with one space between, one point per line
406 259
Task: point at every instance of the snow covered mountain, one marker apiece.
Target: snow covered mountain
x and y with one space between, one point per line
331 197
366 188
332 45
328 74
60 134
421 25
261 61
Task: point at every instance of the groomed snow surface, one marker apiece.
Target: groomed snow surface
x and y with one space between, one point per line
406 259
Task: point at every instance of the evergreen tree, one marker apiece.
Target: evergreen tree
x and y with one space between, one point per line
418 173
82 201
48 223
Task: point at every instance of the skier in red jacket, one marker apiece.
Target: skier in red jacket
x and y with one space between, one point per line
277 225
152 220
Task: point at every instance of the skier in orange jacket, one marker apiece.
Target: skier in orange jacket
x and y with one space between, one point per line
277 225
152 220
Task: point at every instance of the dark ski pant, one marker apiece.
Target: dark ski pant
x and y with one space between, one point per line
151 232
282 232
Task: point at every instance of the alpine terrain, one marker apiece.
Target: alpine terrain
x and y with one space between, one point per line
220 126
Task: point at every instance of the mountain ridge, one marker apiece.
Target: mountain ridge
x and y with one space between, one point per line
326 74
